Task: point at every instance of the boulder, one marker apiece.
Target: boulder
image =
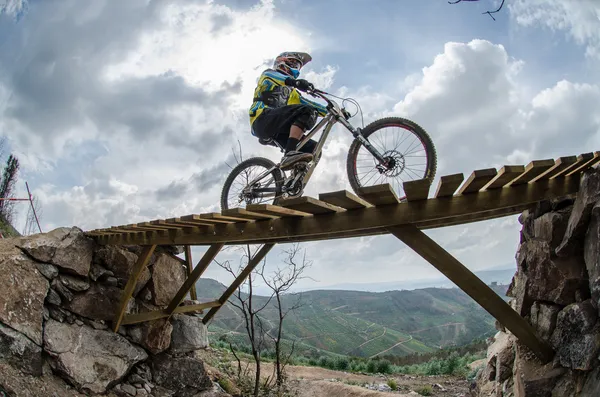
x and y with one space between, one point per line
591 387
49 271
153 335
19 351
67 248
24 290
90 359
74 283
100 302
566 386
185 375
591 254
518 290
543 318
551 227
168 275
63 291
189 334
53 297
576 338
587 197
98 272
531 378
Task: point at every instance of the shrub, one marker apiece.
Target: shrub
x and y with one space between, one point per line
371 366
425 390
384 366
324 362
392 384
313 362
342 364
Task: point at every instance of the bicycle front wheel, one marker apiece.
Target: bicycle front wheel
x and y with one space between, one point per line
404 143
242 186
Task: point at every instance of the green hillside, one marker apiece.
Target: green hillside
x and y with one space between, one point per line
366 324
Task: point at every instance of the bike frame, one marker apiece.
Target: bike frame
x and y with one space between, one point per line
335 114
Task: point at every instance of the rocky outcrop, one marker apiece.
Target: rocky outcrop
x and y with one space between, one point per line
60 294
557 289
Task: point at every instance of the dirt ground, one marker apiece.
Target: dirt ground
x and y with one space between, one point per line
316 381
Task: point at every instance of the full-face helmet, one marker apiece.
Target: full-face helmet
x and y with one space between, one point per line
290 63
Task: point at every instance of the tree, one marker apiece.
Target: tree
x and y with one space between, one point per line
487 12
250 309
280 283
7 184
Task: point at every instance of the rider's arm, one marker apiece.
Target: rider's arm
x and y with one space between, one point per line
322 110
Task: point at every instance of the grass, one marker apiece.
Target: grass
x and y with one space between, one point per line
425 390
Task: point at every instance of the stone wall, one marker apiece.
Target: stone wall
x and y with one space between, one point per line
557 289
59 293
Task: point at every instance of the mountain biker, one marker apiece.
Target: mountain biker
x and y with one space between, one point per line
279 111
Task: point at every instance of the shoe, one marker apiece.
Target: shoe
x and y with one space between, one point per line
293 157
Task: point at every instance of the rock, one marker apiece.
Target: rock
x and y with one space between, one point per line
576 339
24 290
112 281
74 253
49 271
74 283
591 387
531 378
168 275
518 290
153 335
141 392
551 227
543 318
42 247
185 375
591 254
162 392
63 291
500 355
566 386
90 359
100 302
551 278
135 378
148 388
20 352
587 197
216 391
53 297
57 313
121 263
189 334
128 389
97 272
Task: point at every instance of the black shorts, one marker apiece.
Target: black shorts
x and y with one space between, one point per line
276 123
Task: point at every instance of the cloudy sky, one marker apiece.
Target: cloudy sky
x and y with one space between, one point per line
127 111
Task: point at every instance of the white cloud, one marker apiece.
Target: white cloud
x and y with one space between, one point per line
13 7
580 19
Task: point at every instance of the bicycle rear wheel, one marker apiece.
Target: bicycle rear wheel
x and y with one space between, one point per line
417 161
236 191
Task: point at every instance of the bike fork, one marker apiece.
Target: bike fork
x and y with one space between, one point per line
370 147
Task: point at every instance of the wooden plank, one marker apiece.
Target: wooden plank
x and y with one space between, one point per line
417 189
532 170
203 221
138 268
220 218
477 180
252 263
560 165
474 287
310 205
157 314
379 194
190 267
208 256
366 222
245 214
344 199
189 223
581 159
448 185
506 175
150 225
276 210
590 163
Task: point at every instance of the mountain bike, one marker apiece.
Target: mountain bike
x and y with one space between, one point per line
270 183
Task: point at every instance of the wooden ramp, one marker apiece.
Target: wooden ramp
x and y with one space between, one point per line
485 194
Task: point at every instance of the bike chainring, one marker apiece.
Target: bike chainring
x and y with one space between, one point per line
294 186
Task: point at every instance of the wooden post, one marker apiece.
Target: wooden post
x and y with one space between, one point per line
190 282
189 266
239 280
138 268
474 287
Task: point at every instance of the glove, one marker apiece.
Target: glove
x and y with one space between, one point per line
304 85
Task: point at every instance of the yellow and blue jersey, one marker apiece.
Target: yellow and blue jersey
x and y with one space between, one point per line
272 91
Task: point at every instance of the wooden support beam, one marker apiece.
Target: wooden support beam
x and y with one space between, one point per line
344 199
417 190
474 287
138 268
448 185
252 263
190 267
156 314
532 170
477 180
504 176
208 256
581 160
379 194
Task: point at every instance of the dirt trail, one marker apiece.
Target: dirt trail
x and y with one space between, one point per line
390 348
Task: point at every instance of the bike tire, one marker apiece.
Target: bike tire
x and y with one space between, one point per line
254 161
409 125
